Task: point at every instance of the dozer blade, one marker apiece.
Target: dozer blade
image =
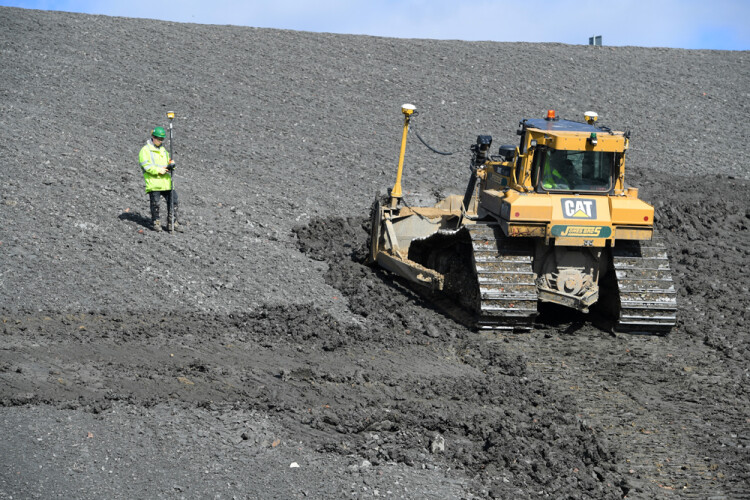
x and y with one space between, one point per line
392 232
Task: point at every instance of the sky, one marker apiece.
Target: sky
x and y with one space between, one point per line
688 24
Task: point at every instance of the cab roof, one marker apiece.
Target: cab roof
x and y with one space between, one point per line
575 136
562 126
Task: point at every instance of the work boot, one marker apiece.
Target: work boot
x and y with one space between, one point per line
157 226
179 227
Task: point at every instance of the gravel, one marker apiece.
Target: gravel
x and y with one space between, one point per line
136 364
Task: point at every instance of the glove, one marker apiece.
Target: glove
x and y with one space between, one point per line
171 166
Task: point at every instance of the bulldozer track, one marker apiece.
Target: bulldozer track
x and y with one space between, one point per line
648 300
505 277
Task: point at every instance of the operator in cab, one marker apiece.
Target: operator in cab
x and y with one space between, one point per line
560 175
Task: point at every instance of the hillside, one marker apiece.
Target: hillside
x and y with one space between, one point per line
137 364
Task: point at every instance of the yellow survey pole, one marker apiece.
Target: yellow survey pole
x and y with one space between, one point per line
407 110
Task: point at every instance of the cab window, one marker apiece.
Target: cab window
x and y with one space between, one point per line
575 170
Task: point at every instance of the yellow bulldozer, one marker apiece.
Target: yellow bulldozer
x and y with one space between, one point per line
549 220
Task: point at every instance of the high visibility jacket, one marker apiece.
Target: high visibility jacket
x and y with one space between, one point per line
149 159
554 179
557 179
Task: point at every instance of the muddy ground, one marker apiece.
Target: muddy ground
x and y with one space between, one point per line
256 356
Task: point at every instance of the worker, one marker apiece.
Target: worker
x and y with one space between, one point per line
559 177
157 166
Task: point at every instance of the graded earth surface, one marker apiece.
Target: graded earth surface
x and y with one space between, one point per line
255 355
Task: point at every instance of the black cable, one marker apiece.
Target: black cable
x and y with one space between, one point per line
430 147
403 200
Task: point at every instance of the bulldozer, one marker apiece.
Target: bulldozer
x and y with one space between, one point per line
548 221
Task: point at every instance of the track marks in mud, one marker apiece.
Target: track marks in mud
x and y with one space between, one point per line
386 398
656 401
498 422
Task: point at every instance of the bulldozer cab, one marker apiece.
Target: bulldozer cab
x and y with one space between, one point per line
564 156
577 171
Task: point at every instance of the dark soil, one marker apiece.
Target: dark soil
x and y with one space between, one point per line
256 356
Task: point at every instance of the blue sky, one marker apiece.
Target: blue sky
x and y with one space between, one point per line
690 24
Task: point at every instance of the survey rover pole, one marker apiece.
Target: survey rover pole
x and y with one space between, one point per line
170 115
407 110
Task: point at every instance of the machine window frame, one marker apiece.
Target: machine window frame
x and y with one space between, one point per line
538 184
539 152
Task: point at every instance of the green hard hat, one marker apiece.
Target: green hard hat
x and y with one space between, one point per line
159 132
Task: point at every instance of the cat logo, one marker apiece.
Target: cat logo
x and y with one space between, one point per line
579 208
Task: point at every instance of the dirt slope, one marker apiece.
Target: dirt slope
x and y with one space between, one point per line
136 364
